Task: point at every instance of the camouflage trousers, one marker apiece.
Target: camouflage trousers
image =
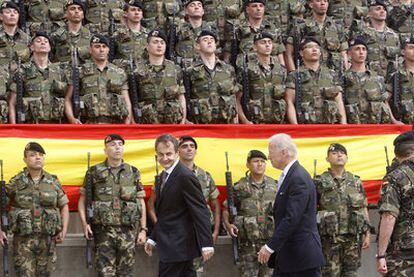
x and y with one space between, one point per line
199 266
401 263
34 255
343 257
115 250
249 266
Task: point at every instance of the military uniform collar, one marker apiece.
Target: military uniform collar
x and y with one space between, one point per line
339 179
314 71
27 174
143 30
96 67
257 185
121 167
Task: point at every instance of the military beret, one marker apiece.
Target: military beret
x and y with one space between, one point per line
247 2
357 41
113 137
34 146
262 35
98 38
407 137
10 5
206 32
134 3
157 34
187 2
307 40
187 138
75 2
377 3
337 147
255 154
406 41
42 34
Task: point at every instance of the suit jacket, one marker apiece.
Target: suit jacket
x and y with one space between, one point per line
296 239
183 225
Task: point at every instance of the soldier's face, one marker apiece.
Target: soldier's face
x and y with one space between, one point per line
277 156
187 151
99 51
166 154
377 13
337 158
255 10
311 52
156 46
358 53
34 160
40 45
74 13
194 9
10 17
207 44
133 14
257 166
408 52
319 7
114 150
263 46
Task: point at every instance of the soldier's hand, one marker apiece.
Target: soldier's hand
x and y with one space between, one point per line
215 236
207 254
188 122
142 238
60 237
74 121
382 266
148 248
87 232
263 255
367 240
232 230
3 237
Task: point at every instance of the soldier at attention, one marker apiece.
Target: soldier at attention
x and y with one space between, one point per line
254 196
118 210
343 221
39 215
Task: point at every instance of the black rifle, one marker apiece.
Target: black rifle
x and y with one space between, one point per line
172 39
396 92
231 208
111 31
192 112
77 104
388 168
234 47
246 90
315 161
4 221
133 91
20 114
342 79
296 46
89 211
396 22
298 94
22 14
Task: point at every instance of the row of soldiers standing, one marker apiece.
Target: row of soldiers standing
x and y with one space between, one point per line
196 84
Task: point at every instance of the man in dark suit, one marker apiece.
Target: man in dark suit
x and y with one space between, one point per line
295 248
182 231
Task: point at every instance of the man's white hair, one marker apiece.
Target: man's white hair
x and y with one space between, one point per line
284 141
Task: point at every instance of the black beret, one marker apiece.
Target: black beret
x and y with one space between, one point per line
98 38
262 35
256 154
357 41
10 5
75 2
113 137
187 2
247 2
307 40
377 3
409 40
337 147
187 138
407 137
158 34
207 32
134 3
34 146
42 34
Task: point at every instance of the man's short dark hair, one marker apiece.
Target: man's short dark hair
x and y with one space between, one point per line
404 150
165 139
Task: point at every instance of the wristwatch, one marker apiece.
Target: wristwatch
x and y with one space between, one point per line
379 257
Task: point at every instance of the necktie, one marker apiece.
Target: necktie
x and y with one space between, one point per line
163 180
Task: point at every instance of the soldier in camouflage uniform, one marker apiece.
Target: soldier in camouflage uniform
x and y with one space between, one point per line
382 41
266 84
319 25
401 18
44 15
212 87
103 89
406 83
160 89
321 93
39 215
343 11
73 35
343 221
13 41
160 14
254 197
118 210
396 230
44 86
98 15
187 151
4 95
364 91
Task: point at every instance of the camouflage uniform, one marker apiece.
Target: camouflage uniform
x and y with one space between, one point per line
266 91
159 89
13 47
101 93
213 93
254 220
342 11
158 14
396 13
4 94
44 91
396 199
319 89
364 98
97 15
35 218
130 43
341 222
116 194
45 15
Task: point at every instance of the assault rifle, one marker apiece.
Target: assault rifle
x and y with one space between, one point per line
22 15
388 168
89 211
192 112
133 91
231 209
20 114
4 221
77 104
111 31
246 90
296 46
172 38
298 94
396 92
234 47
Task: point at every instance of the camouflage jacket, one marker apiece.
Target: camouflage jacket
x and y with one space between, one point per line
342 11
365 97
98 12
45 15
13 47
159 14
208 186
35 206
129 43
116 194
396 198
397 12
341 204
281 13
4 94
65 41
319 89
